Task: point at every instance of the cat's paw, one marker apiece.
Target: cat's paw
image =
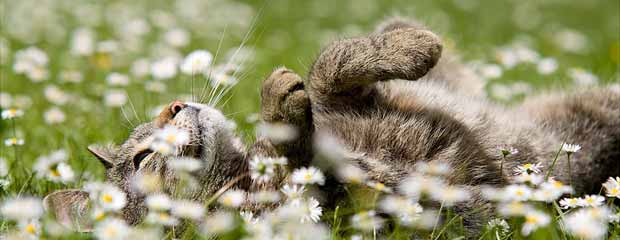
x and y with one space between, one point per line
284 98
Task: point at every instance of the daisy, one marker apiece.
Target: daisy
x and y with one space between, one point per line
23 208
351 174
12 113
232 198
584 225
177 37
311 210
308 175
265 196
528 168
185 164
533 220
262 168
417 184
196 62
146 182
158 202
406 210
140 68
188 209
513 209
582 77
366 221
277 133
612 187
547 66
172 135
248 217
557 187
293 192
112 228
13 142
532 178
155 86
570 148
115 98
162 147
165 68
591 201
517 192
379 186
54 116
450 195
433 168
507 150
161 218
117 79
219 223
110 198
30 228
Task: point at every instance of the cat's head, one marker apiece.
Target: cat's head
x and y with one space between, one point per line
211 141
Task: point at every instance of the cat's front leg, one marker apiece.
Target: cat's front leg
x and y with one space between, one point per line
284 101
345 69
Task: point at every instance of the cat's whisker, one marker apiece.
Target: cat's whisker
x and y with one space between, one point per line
133 108
127 118
208 77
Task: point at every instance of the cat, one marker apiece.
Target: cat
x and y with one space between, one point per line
392 100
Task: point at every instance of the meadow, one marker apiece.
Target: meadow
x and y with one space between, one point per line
75 73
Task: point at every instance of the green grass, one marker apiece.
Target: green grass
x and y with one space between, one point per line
282 33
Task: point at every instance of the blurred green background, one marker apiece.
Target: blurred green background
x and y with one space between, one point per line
576 34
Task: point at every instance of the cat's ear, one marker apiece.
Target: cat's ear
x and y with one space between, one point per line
70 208
104 154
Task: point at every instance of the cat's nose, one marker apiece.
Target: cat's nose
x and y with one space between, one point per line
169 112
176 107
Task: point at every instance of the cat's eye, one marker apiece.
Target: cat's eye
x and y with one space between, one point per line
137 160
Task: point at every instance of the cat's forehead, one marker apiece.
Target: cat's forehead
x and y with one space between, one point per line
140 133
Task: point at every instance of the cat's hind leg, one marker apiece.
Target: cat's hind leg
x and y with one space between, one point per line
345 69
449 70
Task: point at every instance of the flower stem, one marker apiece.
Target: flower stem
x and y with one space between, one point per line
557 154
570 173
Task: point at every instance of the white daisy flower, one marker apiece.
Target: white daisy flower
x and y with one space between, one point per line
277 133
514 209
351 174
158 202
591 201
140 68
379 186
293 192
177 37
12 113
583 224
262 168
490 71
188 209
219 223
164 68
111 198
30 228
117 79
532 178
406 210
557 187
232 198
567 203
450 195
529 168
311 210
13 142
570 148
185 164
115 98
56 95
533 220
54 116
155 86
366 221
162 147
172 135
308 175
82 42
54 168
417 184
112 229
612 187
547 66
265 196
196 62
433 168
517 192
161 218
23 208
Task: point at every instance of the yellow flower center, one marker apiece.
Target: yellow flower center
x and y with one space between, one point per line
531 219
614 191
13 140
12 111
107 198
520 192
164 216
589 200
557 184
308 177
30 228
100 216
54 172
572 201
527 165
379 186
111 232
